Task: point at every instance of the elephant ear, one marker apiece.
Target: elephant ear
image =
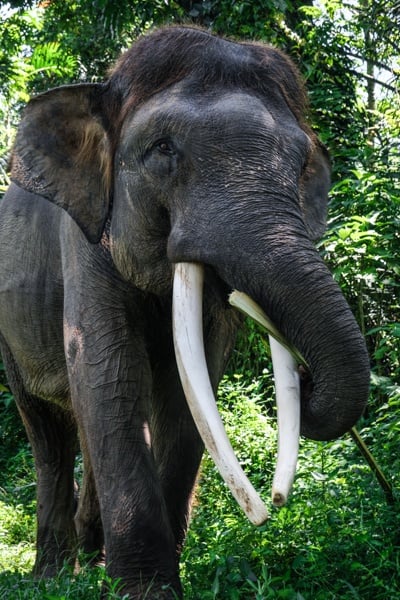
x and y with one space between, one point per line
62 153
314 188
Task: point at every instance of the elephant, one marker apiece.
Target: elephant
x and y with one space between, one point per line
195 155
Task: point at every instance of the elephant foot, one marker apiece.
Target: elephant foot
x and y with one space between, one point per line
141 591
45 568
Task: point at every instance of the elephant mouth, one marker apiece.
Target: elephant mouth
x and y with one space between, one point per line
306 383
290 381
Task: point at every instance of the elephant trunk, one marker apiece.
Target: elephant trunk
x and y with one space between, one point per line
297 292
280 269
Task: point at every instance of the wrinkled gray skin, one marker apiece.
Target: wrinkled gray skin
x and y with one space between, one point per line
218 174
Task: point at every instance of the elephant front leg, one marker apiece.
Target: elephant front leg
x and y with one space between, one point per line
178 450
111 389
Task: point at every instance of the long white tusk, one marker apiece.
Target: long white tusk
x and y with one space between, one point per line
285 359
189 350
287 389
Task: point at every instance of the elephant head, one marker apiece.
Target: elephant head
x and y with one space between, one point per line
197 150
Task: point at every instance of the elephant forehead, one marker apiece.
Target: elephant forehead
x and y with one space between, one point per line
178 110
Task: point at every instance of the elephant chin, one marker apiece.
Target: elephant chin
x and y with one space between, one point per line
190 356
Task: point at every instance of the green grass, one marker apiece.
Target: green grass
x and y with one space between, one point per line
336 539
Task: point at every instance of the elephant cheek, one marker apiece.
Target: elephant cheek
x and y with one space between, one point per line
138 237
141 262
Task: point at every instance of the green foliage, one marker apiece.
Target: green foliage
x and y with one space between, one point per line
25 63
17 536
16 464
94 33
335 539
17 525
50 65
23 58
242 18
17 29
250 363
362 246
84 585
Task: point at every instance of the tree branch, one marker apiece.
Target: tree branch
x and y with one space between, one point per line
388 86
376 63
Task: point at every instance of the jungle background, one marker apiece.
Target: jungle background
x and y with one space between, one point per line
338 537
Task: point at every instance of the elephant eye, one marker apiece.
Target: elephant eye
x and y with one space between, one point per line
165 147
161 159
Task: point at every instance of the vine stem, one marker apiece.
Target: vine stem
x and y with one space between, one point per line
375 468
